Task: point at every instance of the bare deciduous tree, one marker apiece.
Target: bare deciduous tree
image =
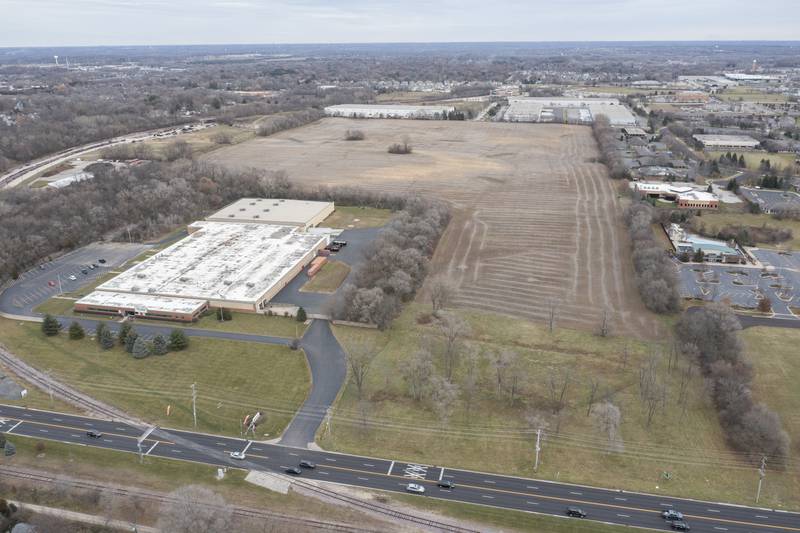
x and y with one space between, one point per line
471 381
594 385
552 314
195 508
442 291
359 359
453 330
417 371
607 416
444 395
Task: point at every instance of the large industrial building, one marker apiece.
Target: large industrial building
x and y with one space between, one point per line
727 142
568 110
388 111
238 263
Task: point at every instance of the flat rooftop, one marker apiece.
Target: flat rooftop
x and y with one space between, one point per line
269 210
392 107
232 261
726 139
149 302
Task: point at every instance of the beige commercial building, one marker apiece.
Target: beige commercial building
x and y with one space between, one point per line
300 213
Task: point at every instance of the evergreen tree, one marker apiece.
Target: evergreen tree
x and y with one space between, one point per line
106 339
76 331
50 325
178 340
98 331
698 256
122 335
130 339
301 315
742 163
159 345
139 348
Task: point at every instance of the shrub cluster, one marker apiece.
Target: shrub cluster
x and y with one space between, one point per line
711 335
655 275
400 148
397 265
354 135
288 121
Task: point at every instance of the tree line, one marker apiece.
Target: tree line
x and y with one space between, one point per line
607 140
710 336
655 275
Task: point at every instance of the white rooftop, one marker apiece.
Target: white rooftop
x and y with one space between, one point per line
726 140
220 261
703 196
266 210
398 108
149 302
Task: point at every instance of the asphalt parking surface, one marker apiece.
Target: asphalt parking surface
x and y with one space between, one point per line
40 284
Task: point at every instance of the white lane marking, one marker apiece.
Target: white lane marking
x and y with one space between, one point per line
107 440
88 424
364 478
621 499
665 504
176 451
14 426
488 481
247 446
27 415
368 464
488 497
441 474
120 429
390 469
324 473
221 444
721 528
532 503
44 431
76 436
290 453
330 459
152 447
531 487
58 419
712 510
623 515
576 493
761 516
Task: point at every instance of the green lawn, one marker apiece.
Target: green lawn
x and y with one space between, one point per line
346 217
714 221
753 159
233 378
328 279
257 324
495 435
745 94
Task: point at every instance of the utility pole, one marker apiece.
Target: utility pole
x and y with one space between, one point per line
194 404
762 471
538 449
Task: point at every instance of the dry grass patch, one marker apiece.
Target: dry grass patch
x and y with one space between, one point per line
328 279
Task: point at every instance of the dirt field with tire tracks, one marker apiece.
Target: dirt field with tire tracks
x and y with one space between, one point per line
535 219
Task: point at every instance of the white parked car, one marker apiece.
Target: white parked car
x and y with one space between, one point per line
72 278
417 489
237 455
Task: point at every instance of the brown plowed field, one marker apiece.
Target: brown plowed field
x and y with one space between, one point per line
534 218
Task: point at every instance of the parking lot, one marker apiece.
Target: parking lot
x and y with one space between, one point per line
767 200
52 278
742 286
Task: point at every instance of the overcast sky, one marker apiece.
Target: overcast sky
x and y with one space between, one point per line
124 22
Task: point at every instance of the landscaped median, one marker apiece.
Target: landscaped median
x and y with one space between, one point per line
486 417
232 378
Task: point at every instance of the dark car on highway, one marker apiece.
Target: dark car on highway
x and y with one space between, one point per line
92 434
101 261
446 484
680 525
307 464
576 512
293 470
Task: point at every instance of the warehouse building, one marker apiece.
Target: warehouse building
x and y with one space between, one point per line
727 142
238 259
388 111
568 110
299 213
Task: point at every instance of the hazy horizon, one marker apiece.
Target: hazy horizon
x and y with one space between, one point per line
48 23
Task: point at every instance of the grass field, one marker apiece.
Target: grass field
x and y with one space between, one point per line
164 475
753 159
714 221
233 378
745 94
257 324
346 217
328 279
494 434
535 217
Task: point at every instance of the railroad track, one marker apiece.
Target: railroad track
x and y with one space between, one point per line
158 498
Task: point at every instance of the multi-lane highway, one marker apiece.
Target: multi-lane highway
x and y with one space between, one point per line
508 492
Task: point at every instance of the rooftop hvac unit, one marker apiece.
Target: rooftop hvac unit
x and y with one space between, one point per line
250 284
242 209
266 210
275 204
135 288
141 275
151 290
227 282
184 279
252 203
